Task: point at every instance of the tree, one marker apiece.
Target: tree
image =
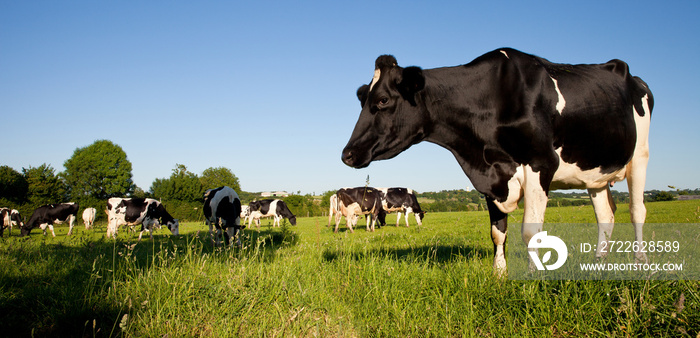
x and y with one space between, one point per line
664 196
182 185
100 170
43 186
219 177
13 186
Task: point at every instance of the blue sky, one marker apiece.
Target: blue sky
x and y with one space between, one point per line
267 89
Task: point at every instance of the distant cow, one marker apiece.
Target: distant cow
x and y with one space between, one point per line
133 211
519 126
10 218
359 201
50 214
89 217
222 209
401 200
274 208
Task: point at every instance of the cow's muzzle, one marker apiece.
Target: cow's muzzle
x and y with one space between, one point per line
350 157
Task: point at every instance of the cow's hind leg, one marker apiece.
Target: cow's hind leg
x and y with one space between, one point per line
604 208
637 174
636 177
337 221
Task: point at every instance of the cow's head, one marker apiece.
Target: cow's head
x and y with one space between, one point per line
174 226
25 230
392 117
293 220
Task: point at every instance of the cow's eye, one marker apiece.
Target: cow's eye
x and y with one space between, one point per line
383 101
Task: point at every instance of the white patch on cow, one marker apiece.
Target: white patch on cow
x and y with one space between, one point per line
515 185
570 176
506 54
375 78
561 102
645 104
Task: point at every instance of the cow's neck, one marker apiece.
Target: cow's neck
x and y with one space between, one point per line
451 97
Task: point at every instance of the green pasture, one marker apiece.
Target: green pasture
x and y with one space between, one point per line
433 280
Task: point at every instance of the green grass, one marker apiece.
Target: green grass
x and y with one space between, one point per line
434 280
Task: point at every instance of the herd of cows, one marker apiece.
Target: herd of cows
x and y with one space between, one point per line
223 212
518 125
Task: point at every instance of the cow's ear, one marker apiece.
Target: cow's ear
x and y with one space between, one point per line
362 93
412 81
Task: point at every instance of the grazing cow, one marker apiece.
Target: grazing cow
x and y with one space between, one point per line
89 217
401 200
50 214
519 126
276 209
359 201
10 218
222 209
133 211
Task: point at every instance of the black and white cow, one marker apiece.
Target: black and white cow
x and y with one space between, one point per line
274 208
50 214
401 200
89 217
519 126
222 210
359 201
133 211
10 218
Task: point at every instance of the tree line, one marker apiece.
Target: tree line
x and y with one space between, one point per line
102 170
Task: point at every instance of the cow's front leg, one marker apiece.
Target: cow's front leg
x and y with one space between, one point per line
218 236
499 230
337 221
604 208
534 205
52 232
47 225
211 231
231 233
110 228
350 220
